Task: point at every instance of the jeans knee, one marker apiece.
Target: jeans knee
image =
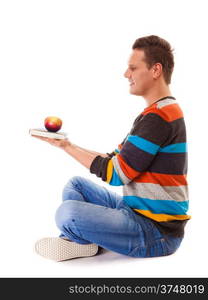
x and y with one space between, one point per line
73 182
66 213
73 189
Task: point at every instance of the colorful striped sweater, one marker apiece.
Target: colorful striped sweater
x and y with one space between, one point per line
151 165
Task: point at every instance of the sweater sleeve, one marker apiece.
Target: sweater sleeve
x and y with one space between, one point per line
117 150
136 153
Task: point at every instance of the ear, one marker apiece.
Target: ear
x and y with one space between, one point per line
157 70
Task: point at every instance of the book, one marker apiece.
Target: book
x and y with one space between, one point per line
49 134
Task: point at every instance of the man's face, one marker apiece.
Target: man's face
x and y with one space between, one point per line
140 78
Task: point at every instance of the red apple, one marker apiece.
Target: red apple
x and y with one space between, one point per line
52 124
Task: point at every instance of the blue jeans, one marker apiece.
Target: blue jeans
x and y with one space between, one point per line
91 213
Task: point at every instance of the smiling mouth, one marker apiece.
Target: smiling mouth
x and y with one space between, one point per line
131 82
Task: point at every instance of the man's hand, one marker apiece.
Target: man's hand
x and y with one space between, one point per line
83 156
55 142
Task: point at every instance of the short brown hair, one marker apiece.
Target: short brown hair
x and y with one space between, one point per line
157 50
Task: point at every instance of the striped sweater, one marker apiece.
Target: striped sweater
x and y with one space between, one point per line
151 165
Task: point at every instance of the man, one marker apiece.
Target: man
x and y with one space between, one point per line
151 164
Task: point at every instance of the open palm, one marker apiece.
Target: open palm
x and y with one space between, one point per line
55 142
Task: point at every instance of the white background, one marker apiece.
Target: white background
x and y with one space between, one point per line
67 58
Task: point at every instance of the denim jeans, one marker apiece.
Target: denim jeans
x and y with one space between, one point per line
91 213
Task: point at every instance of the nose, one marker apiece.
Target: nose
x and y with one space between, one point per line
126 74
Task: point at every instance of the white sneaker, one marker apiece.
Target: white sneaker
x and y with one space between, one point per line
60 249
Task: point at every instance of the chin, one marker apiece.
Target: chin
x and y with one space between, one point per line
134 92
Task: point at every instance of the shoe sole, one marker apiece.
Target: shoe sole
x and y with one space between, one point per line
59 249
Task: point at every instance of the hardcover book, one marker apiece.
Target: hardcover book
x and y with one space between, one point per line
46 133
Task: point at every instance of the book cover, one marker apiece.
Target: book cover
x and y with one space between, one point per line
49 134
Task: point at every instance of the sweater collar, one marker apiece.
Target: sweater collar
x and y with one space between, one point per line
167 97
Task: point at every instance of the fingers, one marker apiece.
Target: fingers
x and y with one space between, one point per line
40 137
44 139
52 141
